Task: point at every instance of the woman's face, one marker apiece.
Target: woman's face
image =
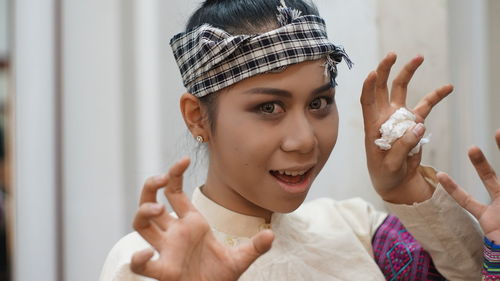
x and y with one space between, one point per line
273 134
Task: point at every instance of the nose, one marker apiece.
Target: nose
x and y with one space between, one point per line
299 135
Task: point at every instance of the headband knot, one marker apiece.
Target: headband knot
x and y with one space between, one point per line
286 15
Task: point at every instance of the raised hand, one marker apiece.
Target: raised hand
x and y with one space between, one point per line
394 175
187 248
487 215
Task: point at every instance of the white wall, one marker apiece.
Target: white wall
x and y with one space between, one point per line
93 131
4 27
471 119
35 245
493 35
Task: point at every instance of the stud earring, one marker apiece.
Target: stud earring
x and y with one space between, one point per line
199 139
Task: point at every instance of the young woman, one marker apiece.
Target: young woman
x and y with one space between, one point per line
260 76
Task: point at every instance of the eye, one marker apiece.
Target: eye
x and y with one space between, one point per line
320 103
271 108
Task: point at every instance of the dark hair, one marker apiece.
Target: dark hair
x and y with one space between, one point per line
244 16
241 17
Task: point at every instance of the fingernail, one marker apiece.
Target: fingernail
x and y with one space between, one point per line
418 130
156 207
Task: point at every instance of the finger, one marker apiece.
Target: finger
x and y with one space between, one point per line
414 161
146 213
426 104
261 243
485 171
383 71
369 106
497 137
179 201
141 264
149 220
463 198
151 187
400 83
401 147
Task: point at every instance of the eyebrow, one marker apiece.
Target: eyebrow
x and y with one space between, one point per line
285 93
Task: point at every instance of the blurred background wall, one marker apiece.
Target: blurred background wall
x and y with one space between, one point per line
94 90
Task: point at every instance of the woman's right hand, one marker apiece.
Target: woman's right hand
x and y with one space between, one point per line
188 250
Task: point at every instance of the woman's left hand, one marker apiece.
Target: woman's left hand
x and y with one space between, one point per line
487 215
394 174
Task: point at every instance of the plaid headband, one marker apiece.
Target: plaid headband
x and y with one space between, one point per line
211 59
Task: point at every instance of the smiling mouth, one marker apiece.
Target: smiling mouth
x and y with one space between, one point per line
291 177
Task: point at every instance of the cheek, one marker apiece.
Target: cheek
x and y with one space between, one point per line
242 153
327 133
240 143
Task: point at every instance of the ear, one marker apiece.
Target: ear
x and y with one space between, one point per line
193 115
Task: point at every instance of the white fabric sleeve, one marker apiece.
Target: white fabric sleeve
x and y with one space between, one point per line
117 264
445 230
362 217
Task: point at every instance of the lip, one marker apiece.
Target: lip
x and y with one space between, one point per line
297 168
296 188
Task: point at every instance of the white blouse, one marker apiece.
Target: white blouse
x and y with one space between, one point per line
331 240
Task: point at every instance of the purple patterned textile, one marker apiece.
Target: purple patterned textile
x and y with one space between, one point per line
399 255
491 264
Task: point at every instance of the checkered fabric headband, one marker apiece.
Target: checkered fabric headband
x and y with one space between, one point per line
211 59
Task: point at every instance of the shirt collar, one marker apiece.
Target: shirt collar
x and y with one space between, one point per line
225 220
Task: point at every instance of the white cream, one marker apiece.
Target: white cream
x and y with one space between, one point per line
395 127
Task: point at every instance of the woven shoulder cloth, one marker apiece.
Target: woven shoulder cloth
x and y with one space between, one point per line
211 59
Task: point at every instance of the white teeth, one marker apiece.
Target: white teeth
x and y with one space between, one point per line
292 173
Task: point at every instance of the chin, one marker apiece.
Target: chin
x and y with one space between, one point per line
289 205
291 195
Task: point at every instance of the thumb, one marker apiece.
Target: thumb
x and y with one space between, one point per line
249 252
463 198
142 264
